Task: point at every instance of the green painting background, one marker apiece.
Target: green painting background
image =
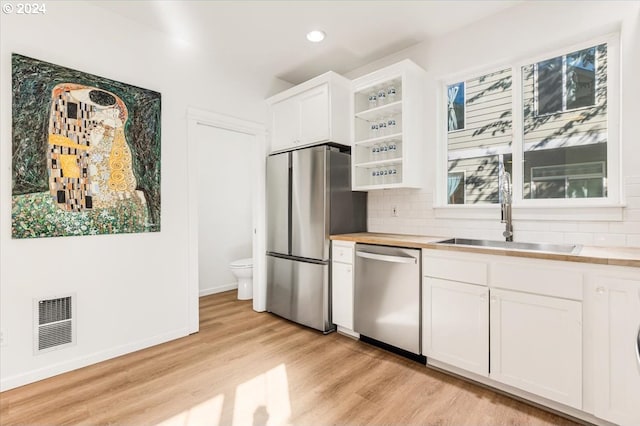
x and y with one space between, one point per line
33 81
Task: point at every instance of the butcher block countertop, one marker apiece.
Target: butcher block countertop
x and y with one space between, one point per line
618 256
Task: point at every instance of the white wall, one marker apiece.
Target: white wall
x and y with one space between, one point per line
131 289
527 29
225 204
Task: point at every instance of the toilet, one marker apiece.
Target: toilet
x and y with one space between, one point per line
243 270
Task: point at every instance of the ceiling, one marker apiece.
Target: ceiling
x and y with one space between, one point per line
270 35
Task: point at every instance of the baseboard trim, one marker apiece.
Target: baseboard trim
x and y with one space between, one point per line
74 364
218 289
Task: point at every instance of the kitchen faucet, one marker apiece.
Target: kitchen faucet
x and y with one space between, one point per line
505 205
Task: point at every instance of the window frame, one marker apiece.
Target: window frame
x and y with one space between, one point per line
555 206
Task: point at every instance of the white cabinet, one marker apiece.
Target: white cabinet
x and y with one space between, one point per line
313 112
456 324
536 344
480 315
388 128
285 124
342 296
342 284
616 348
313 106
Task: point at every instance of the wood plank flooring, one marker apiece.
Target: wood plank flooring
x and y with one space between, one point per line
249 368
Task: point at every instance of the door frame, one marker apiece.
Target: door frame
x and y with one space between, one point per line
197 117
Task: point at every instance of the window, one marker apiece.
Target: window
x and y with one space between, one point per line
564 146
565 125
455 106
456 187
481 147
569 181
565 82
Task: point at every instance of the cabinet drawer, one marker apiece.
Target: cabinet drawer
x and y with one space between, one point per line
342 253
537 278
463 270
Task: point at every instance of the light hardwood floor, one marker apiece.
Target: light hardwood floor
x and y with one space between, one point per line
248 368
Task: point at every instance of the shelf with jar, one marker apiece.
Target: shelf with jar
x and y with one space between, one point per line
385 172
388 117
380 149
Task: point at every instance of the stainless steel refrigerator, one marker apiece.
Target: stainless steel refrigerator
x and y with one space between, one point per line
309 197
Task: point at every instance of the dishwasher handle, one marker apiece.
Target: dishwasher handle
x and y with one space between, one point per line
387 258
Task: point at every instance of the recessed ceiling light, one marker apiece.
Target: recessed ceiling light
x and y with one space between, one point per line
315 36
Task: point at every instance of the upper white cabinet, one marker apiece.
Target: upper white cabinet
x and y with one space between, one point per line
615 344
313 112
388 128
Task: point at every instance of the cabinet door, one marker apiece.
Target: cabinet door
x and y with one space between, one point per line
342 294
314 115
617 350
285 125
456 324
536 344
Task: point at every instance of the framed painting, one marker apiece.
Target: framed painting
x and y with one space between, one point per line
85 153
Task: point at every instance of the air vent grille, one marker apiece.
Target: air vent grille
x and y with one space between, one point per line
54 310
56 334
54 323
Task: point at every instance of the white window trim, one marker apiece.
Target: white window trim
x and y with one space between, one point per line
593 209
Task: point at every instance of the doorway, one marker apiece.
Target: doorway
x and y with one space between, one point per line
226 156
225 200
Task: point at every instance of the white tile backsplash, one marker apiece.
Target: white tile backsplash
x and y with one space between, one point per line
633 240
416 216
584 238
610 240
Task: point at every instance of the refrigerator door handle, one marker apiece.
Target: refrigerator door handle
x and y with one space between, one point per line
387 258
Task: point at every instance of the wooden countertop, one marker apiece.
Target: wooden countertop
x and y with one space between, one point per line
618 256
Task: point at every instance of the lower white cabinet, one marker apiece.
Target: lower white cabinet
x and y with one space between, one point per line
616 346
456 324
342 296
342 284
536 344
566 332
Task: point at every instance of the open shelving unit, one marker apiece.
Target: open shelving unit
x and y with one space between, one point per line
388 136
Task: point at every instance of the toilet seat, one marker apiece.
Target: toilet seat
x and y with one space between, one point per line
242 263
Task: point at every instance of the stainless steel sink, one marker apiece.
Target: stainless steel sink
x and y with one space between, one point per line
539 247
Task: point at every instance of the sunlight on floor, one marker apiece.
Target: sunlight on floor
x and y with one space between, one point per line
207 413
263 400
260 401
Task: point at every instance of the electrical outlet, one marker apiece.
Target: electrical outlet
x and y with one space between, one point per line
3 339
394 211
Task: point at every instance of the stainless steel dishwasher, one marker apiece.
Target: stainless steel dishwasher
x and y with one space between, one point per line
387 298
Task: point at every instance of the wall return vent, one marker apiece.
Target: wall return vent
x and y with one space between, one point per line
54 323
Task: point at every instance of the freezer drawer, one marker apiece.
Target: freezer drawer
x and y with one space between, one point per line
299 291
387 295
